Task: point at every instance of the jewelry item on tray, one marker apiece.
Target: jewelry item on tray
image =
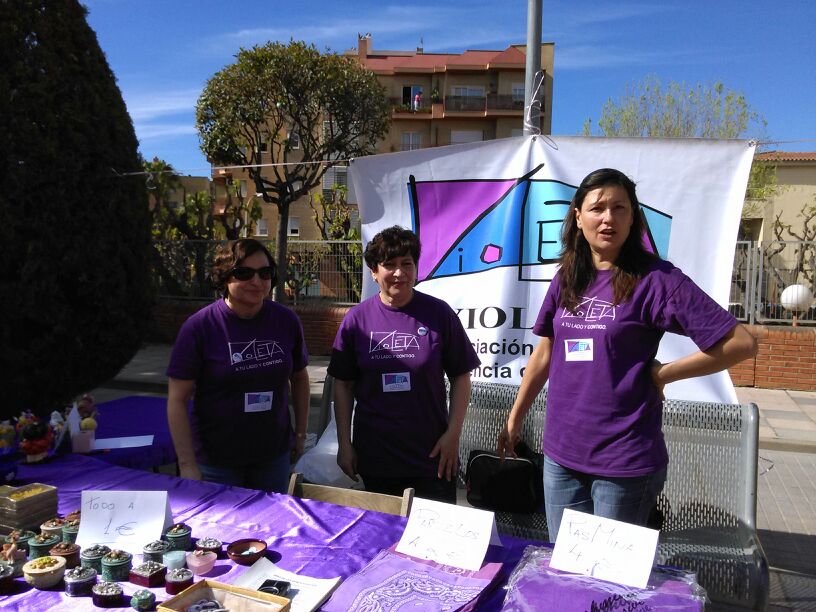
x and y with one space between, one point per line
207 605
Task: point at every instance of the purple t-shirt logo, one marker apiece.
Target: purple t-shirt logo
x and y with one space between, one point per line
578 350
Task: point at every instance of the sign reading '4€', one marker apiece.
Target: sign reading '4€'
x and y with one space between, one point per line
123 520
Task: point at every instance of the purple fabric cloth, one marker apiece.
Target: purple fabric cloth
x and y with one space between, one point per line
603 411
237 364
304 536
392 582
533 582
136 416
397 358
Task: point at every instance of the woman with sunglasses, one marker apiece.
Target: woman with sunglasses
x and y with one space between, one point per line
237 359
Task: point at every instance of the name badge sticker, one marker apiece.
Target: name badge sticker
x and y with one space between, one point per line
396 381
258 402
578 350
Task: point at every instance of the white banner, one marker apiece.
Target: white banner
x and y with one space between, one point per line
489 215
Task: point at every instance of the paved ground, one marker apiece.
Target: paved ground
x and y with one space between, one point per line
786 485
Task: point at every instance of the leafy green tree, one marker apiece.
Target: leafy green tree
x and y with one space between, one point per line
333 216
250 110
73 219
650 109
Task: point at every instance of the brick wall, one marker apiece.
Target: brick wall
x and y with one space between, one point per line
320 322
786 359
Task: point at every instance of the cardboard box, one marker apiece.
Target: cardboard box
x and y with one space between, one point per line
234 598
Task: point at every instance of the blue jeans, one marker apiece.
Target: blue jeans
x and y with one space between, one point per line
270 475
627 499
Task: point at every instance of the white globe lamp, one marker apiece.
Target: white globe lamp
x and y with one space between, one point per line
796 298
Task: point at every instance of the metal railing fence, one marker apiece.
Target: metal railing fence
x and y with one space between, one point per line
317 269
761 273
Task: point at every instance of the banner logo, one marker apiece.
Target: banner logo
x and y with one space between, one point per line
254 350
470 226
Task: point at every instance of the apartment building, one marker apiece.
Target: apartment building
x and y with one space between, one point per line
436 99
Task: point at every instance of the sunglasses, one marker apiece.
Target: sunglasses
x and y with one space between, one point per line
244 273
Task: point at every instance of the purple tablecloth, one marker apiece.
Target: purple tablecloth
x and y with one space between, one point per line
304 536
136 416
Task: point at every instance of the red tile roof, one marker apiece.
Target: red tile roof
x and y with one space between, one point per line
389 61
784 156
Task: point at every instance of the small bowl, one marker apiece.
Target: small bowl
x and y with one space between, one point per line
44 572
236 550
201 562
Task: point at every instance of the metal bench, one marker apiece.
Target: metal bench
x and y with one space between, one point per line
708 503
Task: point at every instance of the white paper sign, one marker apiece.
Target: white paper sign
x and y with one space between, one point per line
124 520
126 442
448 534
604 548
306 593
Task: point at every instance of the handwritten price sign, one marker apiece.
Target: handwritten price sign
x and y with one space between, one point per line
125 520
453 535
604 548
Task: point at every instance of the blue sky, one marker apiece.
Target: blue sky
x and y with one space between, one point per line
163 51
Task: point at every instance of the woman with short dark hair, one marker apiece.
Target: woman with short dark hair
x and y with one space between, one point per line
600 325
236 359
391 354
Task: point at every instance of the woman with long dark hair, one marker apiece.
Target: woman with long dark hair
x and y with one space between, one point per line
600 325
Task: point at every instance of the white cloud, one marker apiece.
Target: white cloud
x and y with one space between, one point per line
146 106
161 131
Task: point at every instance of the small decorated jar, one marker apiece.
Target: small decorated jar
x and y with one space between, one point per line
44 572
79 581
107 595
39 545
70 552
174 559
21 537
154 550
70 528
116 566
209 544
53 526
143 600
178 580
179 537
6 578
149 574
73 516
91 556
201 561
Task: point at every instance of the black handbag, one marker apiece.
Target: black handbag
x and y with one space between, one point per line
512 485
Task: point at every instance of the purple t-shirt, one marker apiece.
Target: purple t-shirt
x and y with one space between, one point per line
397 358
604 414
240 412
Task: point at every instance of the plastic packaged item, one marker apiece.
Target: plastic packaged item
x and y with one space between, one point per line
533 581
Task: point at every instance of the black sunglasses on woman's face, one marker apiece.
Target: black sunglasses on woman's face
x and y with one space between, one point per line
244 273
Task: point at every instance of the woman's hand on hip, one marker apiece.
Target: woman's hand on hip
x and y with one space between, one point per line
347 460
447 449
656 378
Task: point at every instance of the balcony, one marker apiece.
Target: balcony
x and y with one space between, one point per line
403 110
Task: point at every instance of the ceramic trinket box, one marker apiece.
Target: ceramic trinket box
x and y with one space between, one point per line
148 574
